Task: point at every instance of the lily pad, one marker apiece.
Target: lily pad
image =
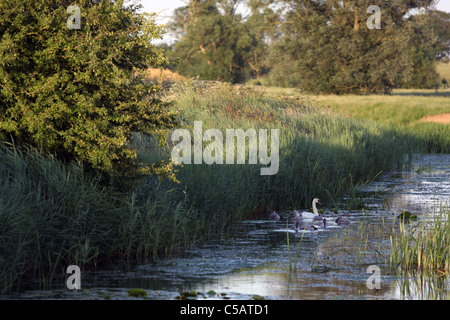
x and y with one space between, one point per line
137 292
406 215
187 295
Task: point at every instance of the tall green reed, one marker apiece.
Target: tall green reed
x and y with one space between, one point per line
321 153
423 246
53 216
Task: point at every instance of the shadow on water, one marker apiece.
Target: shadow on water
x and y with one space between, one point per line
254 259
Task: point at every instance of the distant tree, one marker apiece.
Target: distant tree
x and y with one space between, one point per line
215 43
79 93
325 46
439 27
421 53
261 25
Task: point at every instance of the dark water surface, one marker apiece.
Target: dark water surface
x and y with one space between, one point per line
255 258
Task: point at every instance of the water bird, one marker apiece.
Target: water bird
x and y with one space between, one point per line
274 216
342 222
318 218
311 228
324 223
315 214
298 221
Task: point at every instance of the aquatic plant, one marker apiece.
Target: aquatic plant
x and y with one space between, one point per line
424 245
137 292
406 215
297 254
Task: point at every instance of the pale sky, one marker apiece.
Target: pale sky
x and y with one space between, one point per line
165 7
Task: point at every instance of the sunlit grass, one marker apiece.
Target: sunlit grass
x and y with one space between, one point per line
404 107
400 112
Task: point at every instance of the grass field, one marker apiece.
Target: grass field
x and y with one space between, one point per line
403 107
402 111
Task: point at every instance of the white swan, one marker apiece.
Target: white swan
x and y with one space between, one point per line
314 214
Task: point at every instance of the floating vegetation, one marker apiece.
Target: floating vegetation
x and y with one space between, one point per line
137 292
192 295
406 215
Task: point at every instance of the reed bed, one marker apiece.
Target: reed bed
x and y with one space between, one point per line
52 215
424 246
321 153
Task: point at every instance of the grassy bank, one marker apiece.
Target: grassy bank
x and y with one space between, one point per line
401 112
321 153
52 215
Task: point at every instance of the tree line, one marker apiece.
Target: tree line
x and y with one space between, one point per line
319 46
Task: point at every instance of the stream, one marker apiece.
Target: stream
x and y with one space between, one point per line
256 261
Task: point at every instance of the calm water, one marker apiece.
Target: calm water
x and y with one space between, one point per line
254 259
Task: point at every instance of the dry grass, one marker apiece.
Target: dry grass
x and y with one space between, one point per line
443 118
163 75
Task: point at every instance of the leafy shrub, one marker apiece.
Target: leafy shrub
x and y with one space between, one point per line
80 93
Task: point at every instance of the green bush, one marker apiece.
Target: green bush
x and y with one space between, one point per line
79 93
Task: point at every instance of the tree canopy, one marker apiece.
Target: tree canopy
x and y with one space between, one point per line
217 42
324 46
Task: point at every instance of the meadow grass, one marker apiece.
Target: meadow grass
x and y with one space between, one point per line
400 112
402 108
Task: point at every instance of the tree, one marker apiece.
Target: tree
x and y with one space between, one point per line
424 47
439 23
261 25
215 43
79 93
327 47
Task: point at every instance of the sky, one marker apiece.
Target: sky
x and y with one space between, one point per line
165 7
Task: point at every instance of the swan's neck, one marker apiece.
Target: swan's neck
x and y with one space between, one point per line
315 209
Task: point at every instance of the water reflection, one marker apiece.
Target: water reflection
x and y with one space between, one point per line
420 287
